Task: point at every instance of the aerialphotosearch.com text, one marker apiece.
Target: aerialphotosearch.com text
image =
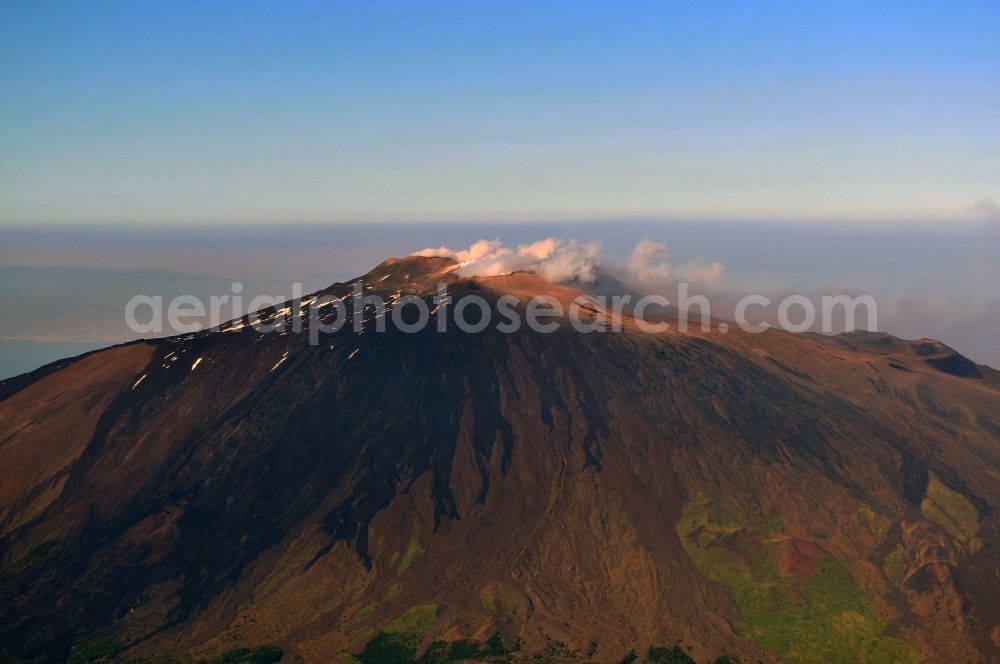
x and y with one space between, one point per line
470 312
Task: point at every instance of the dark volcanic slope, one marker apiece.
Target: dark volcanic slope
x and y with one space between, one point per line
757 496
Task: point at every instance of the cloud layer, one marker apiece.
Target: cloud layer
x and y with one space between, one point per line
568 260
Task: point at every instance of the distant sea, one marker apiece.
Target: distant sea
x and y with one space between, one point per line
21 356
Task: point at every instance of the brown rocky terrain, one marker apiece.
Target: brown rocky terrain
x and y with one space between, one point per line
539 497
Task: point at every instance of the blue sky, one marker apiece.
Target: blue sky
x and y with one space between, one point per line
234 112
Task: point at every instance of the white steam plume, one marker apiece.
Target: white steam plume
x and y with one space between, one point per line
552 259
568 260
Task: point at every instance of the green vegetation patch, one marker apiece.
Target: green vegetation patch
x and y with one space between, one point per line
629 658
465 650
398 641
894 565
365 610
259 655
389 648
416 621
950 509
675 655
395 648
414 552
97 652
821 616
876 524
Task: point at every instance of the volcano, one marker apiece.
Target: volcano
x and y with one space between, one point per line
235 495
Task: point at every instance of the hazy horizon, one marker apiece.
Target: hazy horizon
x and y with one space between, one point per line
71 285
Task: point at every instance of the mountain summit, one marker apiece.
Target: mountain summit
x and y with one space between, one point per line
486 496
